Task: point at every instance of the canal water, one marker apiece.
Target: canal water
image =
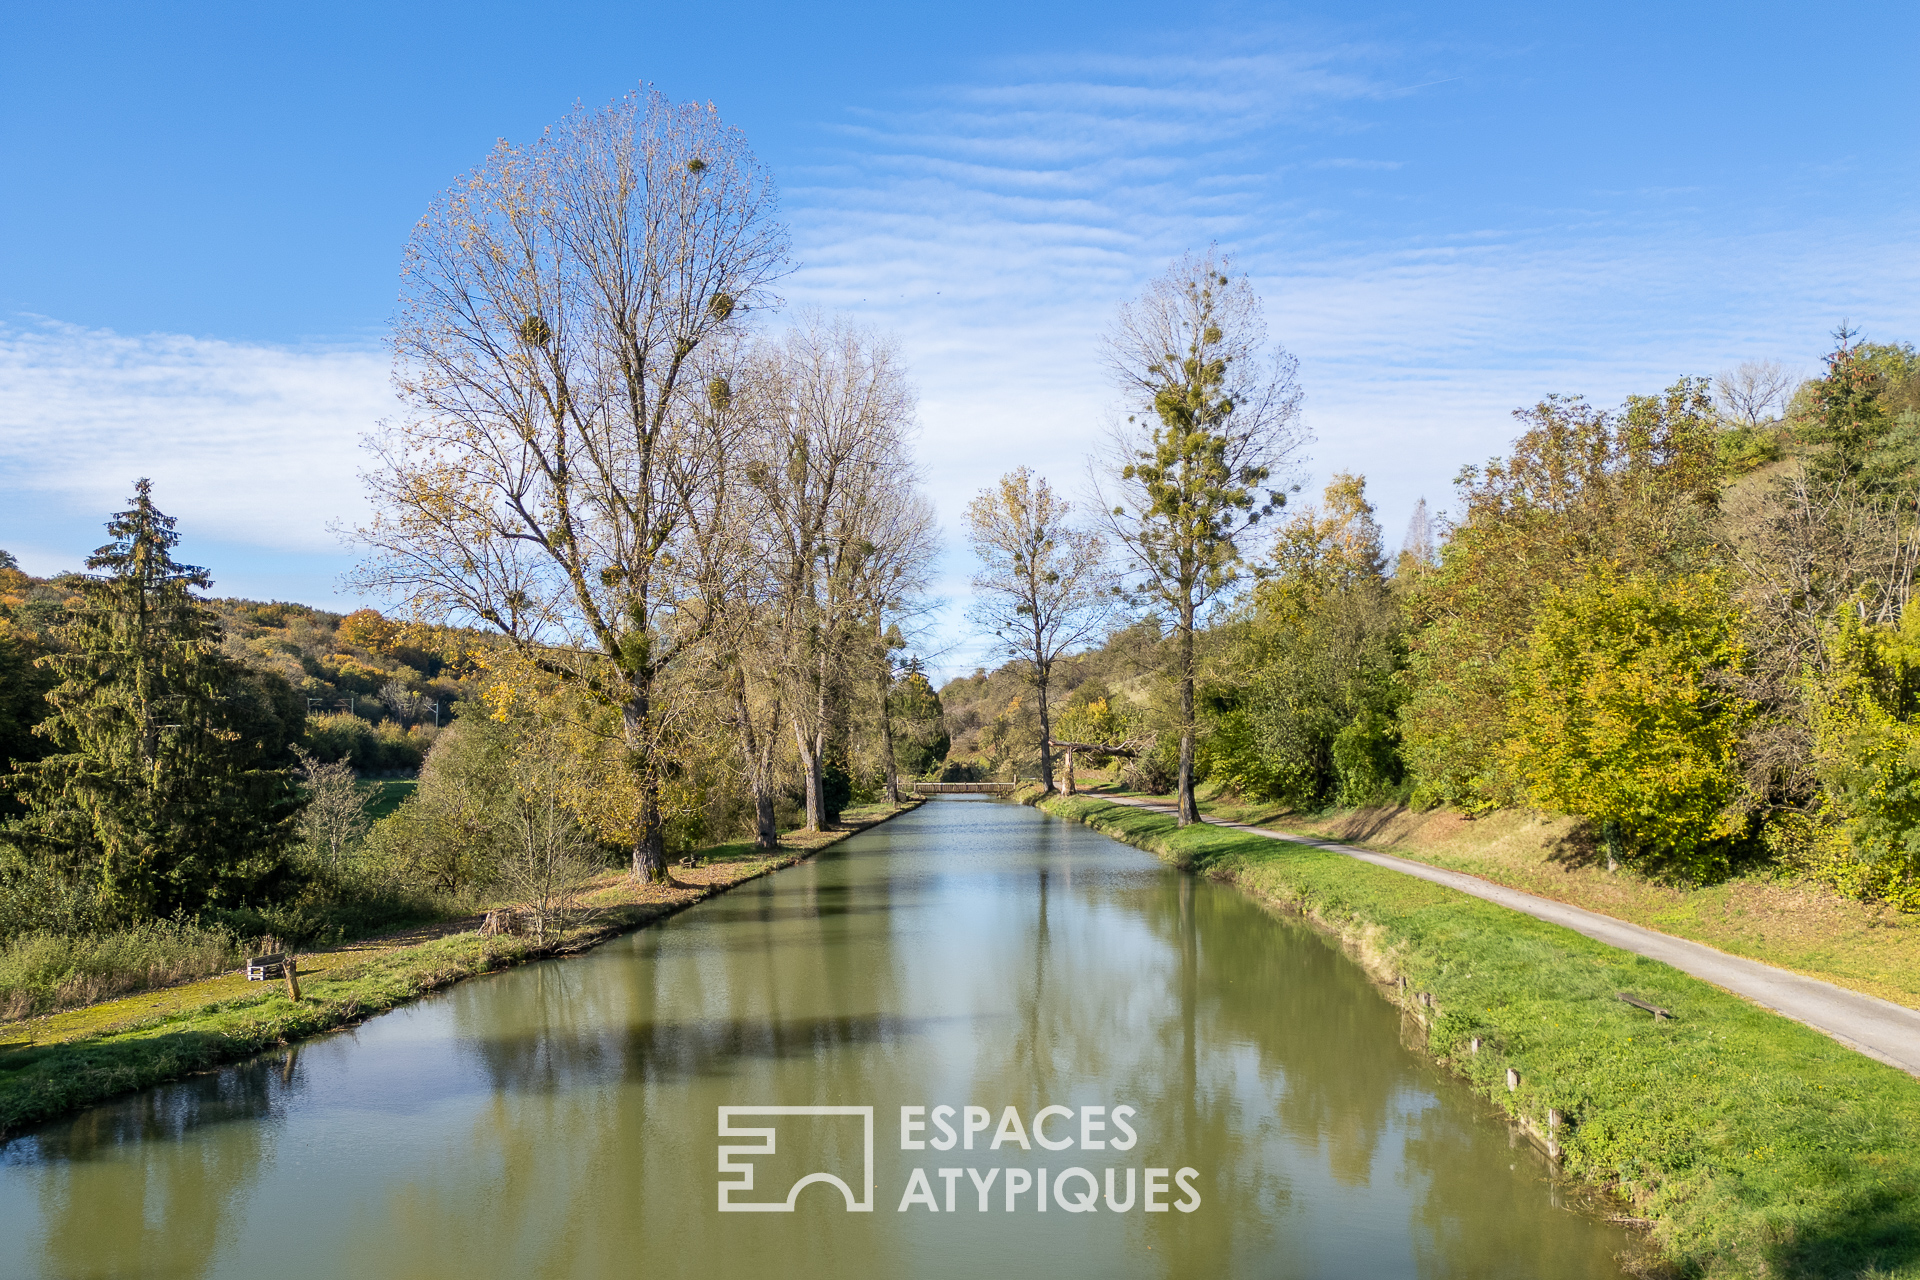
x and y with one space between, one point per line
1230 1068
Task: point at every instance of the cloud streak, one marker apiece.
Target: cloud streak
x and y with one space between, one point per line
995 226
246 443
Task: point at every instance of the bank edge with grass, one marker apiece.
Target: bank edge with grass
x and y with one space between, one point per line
40 1083
1749 1144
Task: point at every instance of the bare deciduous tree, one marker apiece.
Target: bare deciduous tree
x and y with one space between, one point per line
548 860
1805 549
335 817
1041 589
1213 421
1748 393
1417 549
845 531
553 306
406 705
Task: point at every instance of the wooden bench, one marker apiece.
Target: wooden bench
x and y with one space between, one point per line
260 968
1658 1013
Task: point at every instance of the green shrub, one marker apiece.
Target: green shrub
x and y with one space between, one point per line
1620 715
1867 753
370 748
1366 758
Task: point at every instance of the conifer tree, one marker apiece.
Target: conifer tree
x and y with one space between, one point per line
169 782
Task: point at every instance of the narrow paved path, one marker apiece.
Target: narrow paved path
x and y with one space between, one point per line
1878 1028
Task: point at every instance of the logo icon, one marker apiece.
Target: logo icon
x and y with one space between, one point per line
765 1147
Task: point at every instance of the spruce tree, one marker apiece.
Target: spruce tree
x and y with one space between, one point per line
169 781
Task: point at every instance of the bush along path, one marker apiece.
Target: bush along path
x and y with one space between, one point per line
54 1065
1751 1145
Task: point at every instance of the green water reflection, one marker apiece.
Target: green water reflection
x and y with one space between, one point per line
562 1120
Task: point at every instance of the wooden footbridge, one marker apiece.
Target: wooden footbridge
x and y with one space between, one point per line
962 788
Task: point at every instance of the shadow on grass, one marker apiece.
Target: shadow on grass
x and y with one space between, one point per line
1880 1236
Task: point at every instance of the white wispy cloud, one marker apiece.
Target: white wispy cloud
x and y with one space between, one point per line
247 444
996 225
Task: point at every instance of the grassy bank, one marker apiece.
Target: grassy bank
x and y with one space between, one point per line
1754 1146
57 1064
1771 917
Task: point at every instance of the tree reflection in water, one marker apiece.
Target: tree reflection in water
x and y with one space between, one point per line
151 1185
560 1120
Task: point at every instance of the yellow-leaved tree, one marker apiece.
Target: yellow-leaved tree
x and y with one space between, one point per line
1867 756
1621 714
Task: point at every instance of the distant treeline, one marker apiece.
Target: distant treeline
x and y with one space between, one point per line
1684 621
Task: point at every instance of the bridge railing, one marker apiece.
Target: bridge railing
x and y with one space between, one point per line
962 788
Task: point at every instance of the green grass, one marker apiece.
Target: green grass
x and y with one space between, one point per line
37 1083
40 972
1758 1146
386 794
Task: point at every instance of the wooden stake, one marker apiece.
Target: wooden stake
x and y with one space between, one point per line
1513 1079
291 969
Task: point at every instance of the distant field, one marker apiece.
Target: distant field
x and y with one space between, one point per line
387 794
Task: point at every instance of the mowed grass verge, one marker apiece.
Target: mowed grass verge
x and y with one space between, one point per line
1755 1146
1768 915
54 1065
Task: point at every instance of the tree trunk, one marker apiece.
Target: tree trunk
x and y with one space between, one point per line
650 848
758 758
1189 809
766 832
1046 735
888 768
811 753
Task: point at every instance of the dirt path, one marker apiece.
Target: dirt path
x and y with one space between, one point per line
1878 1028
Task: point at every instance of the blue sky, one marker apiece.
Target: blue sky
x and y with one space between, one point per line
1451 211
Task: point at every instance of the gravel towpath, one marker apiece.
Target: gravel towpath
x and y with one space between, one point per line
1878 1028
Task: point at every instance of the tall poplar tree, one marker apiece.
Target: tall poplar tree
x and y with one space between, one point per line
1213 421
1041 588
555 306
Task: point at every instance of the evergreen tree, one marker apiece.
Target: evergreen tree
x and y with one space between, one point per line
1863 425
169 783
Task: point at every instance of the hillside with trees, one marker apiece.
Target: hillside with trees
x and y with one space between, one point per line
1682 622
660 576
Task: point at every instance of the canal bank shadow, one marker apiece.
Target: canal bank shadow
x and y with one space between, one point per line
255 1089
1878 1236
152 1183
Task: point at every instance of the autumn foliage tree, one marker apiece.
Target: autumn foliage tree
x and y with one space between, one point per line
1636 489
554 306
1621 714
1041 588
